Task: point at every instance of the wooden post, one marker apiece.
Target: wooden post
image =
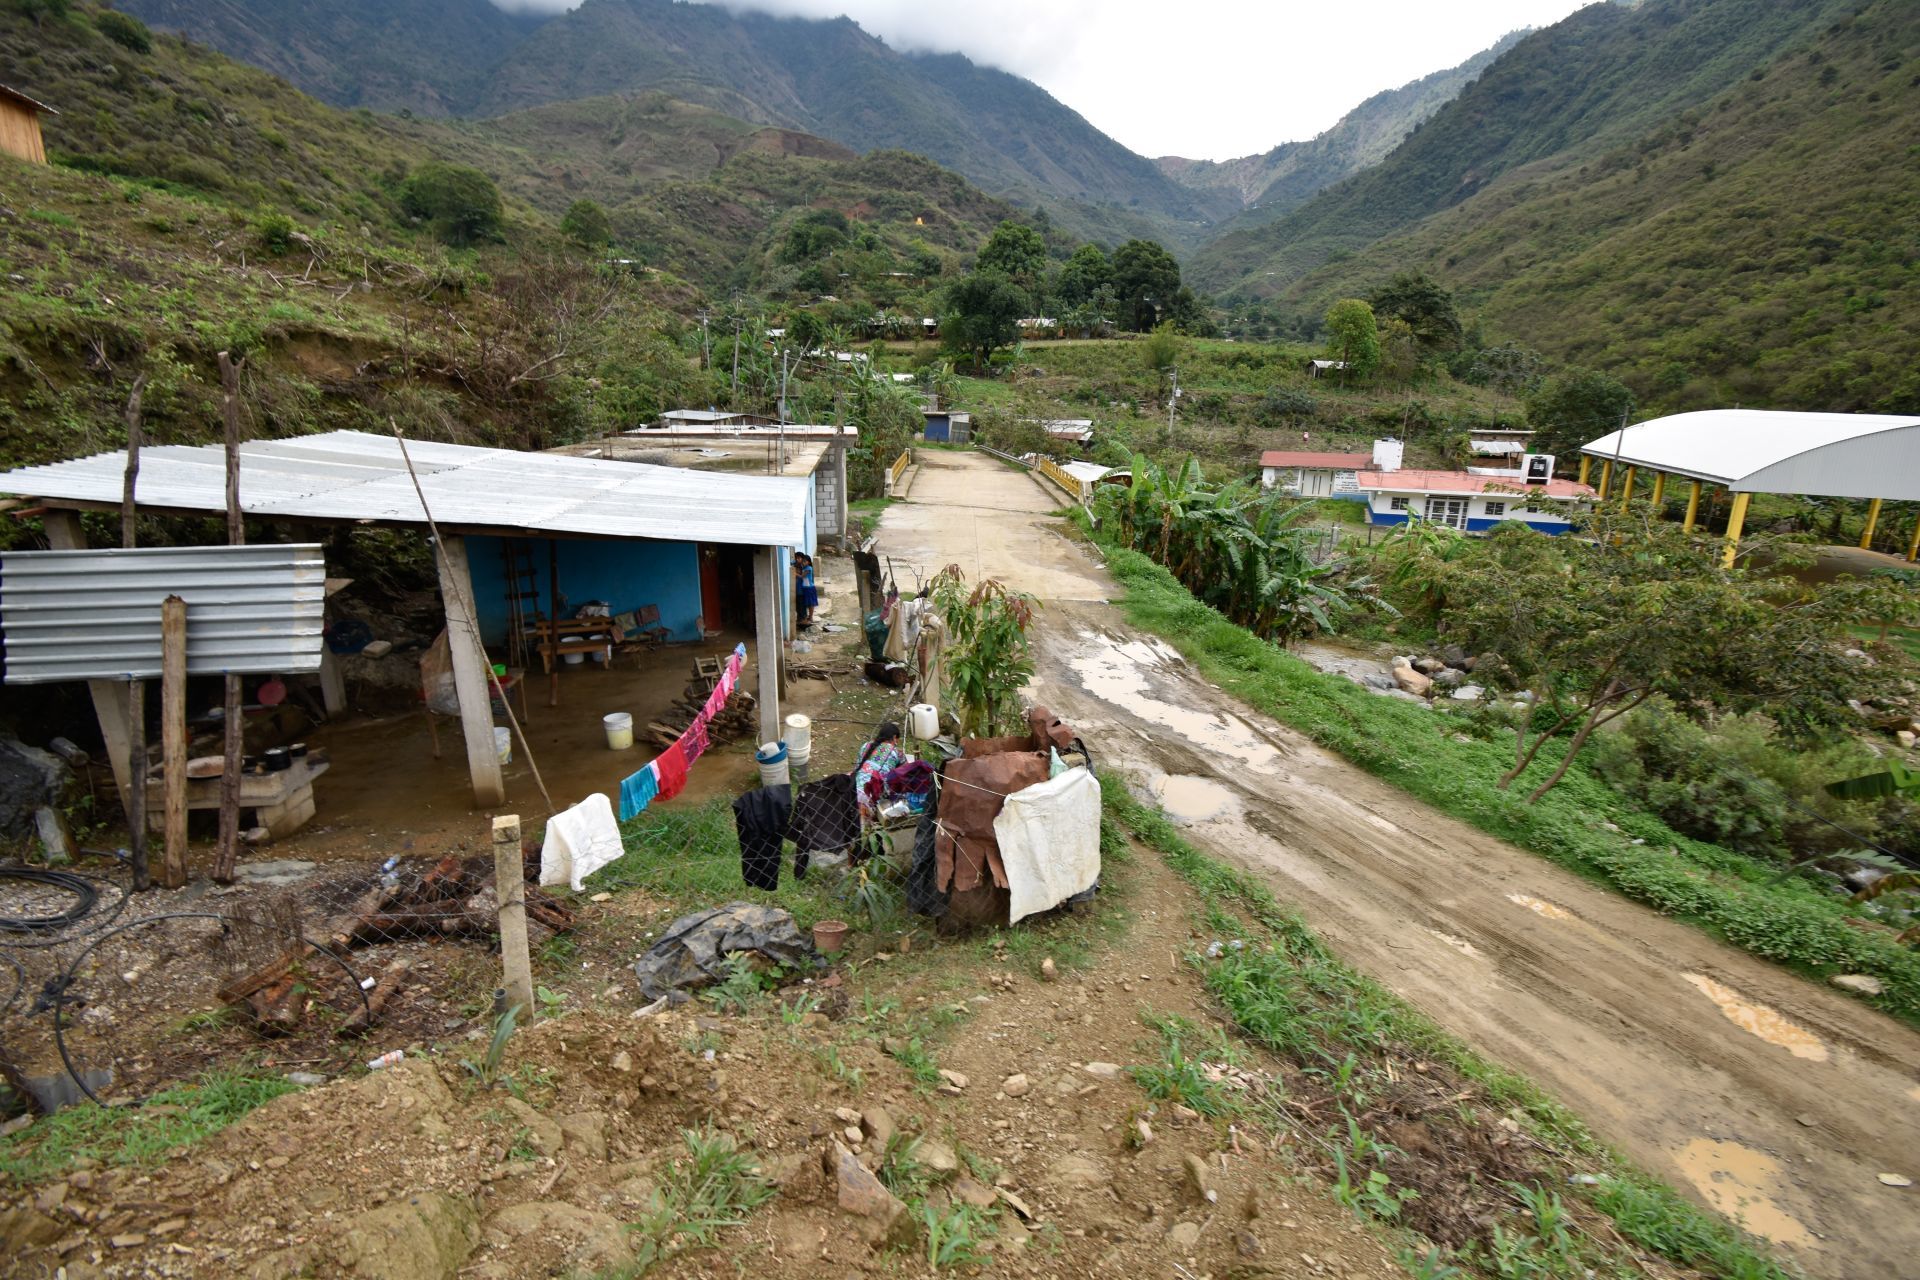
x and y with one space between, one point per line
766 652
173 736
109 697
136 689
1626 488
553 619
1735 519
333 684
1659 490
510 887
469 674
233 727
1873 519
1586 464
1693 505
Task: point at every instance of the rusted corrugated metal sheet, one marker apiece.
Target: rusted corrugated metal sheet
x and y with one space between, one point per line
93 615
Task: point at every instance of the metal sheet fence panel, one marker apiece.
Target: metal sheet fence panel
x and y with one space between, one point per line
87 615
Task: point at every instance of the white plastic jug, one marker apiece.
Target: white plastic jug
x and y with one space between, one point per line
503 743
923 720
619 725
799 738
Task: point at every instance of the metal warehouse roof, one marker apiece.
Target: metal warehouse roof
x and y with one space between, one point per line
350 476
1835 455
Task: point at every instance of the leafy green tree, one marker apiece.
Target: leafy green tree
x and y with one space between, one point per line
1425 304
1353 336
1577 406
586 223
1018 253
124 30
1284 405
461 202
1145 280
1511 367
1083 276
983 314
922 260
814 234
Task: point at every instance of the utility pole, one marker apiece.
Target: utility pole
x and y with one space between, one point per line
783 384
706 348
1173 398
736 360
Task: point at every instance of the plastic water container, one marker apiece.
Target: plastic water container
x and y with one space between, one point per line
772 759
799 738
619 725
503 743
923 720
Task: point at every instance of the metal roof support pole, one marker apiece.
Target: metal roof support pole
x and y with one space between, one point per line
1913 544
1659 490
1626 489
1606 477
1586 464
109 696
1873 519
469 674
1735 519
767 646
1693 506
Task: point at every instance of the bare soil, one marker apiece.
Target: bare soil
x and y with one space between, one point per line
1543 972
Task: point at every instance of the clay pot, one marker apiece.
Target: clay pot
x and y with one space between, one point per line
830 935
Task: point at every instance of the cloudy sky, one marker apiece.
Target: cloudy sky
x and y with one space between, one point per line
1210 79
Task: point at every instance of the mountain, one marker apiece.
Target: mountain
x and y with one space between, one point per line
830 78
1711 199
1276 181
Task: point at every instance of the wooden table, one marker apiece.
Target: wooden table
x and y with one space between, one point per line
282 802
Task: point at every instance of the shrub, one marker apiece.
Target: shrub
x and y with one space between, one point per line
274 230
461 202
124 30
586 223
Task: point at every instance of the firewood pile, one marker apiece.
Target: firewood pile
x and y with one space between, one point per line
736 718
454 899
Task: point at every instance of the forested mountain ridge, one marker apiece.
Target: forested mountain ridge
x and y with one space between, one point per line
823 77
1275 181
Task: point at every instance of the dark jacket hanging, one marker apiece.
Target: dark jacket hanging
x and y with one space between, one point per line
760 816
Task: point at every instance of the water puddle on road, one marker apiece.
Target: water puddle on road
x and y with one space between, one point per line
1740 1182
1190 799
1116 672
1540 906
1757 1019
1461 945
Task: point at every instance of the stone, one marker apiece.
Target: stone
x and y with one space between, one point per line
543 1135
1142 1132
25 1228
877 1124
305 1079
1184 1235
623 1062
1429 666
1894 1180
427 1235
30 780
1378 682
1906 738
1083 1172
937 1156
1199 1179
1016 1086
1468 693
1409 680
277 873
1448 678
1454 656
967 1191
592 1239
1050 972
585 1133
1103 1070
953 1078
1184 1114
1864 984
882 1220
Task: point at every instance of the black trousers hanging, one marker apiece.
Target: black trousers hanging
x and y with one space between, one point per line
760 817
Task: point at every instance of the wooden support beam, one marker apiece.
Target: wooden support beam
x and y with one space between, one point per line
233 725
767 646
109 697
136 695
510 889
333 684
1735 520
1873 519
173 737
1693 505
469 673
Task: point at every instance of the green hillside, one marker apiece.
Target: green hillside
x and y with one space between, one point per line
1757 247
828 78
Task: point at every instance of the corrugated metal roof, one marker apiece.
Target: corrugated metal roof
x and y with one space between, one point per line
1835 455
95 615
352 476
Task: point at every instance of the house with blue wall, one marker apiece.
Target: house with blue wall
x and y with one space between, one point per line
1471 503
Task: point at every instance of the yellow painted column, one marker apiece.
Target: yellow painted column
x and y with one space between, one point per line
1626 488
1913 545
1735 518
1606 476
1873 518
1693 505
1586 464
1659 488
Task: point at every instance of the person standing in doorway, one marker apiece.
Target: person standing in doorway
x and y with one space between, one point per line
806 596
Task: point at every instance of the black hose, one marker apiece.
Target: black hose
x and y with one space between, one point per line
84 894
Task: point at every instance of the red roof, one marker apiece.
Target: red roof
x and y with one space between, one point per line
1328 461
1464 482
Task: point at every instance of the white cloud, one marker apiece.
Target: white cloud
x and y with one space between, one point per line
1210 79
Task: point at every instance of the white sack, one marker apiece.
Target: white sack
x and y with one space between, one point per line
1049 837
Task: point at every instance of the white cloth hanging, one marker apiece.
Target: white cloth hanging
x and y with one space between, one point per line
1049 836
579 842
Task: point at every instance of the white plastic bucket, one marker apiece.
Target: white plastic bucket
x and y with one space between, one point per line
923 720
503 744
799 738
772 759
619 725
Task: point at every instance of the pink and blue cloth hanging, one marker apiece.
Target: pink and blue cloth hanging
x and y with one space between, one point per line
663 777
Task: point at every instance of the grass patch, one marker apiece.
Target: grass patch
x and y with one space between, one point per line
1728 894
712 1188
690 856
172 1118
1292 995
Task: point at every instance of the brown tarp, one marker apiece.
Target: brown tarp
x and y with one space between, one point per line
970 799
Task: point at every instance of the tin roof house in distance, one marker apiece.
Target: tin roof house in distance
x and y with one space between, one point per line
1470 502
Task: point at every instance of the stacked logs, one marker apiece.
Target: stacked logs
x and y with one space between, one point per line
735 720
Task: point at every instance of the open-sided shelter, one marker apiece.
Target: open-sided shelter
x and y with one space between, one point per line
615 528
1749 451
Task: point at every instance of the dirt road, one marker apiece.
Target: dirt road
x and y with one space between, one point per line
1770 1097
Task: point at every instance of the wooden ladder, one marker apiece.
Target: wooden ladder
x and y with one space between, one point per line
523 599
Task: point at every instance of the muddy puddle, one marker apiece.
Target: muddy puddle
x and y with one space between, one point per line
1190 799
1759 1020
1119 673
1461 945
1742 1183
1541 907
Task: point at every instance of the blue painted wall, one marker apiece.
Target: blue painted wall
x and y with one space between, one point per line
1475 524
626 574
